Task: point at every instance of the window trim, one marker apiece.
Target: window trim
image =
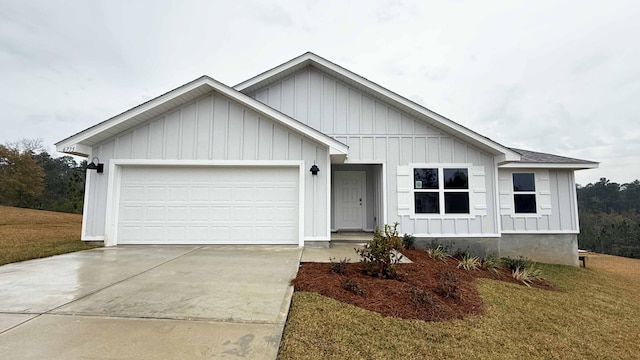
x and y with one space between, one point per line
441 191
515 192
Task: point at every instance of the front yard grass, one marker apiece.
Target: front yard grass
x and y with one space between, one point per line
595 315
30 234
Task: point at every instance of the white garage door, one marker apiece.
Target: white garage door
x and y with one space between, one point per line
208 205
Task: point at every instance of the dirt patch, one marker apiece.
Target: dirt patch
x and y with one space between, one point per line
427 289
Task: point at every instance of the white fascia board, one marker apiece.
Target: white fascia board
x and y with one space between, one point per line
118 119
74 149
335 146
509 155
571 166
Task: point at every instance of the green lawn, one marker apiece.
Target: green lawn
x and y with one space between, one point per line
29 234
595 315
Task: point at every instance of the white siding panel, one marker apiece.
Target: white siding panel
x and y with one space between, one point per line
555 199
216 128
188 140
377 131
171 129
201 141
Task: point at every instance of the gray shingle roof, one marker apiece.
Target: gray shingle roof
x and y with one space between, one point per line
538 157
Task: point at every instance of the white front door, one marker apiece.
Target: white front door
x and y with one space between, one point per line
349 199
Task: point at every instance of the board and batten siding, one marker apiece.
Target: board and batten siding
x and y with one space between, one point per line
555 197
377 132
214 127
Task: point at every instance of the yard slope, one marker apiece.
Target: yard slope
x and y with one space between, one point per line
30 234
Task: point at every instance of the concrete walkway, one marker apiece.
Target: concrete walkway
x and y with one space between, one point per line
148 302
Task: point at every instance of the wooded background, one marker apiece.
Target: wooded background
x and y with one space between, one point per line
31 178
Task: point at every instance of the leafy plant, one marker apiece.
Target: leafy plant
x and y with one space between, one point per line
438 253
421 298
491 263
527 275
469 262
460 253
380 255
517 263
447 284
338 267
409 242
352 287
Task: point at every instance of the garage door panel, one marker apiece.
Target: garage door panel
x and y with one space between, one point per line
208 205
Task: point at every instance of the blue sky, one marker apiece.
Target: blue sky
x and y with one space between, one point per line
553 76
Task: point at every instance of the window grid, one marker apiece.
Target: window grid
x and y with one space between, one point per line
441 191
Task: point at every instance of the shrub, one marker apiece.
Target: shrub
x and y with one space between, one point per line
461 254
420 298
447 284
527 275
352 287
409 242
380 255
491 263
514 264
469 262
338 267
438 253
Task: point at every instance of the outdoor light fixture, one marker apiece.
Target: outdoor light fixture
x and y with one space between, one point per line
314 169
95 164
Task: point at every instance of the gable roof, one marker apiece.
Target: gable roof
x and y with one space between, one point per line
372 89
533 159
81 143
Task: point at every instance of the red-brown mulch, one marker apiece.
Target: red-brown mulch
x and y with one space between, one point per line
427 289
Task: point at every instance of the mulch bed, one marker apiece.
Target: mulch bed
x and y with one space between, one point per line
427 289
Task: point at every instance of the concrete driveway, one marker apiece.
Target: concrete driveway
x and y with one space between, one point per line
148 302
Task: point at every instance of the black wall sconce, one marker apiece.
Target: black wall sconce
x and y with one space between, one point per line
314 169
95 164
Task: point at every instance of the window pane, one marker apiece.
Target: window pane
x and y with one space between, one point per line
524 182
456 203
456 179
525 203
425 178
427 203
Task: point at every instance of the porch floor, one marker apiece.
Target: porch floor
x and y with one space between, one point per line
351 236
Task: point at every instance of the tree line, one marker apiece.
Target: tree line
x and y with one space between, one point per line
610 218
31 178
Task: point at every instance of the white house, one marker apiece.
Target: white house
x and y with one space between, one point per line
209 164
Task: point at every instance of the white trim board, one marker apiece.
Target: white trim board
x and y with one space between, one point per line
504 153
128 119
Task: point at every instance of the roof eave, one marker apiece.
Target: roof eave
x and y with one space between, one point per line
78 144
504 153
530 165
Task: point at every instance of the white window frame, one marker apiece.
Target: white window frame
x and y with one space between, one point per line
441 191
534 193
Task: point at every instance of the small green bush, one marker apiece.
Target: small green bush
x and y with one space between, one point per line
352 287
469 262
491 263
409 242
421 298
447 284
338 267
438 253
527 275
514 264
380 255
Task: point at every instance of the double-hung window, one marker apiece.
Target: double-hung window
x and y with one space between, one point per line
524 193
441 190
